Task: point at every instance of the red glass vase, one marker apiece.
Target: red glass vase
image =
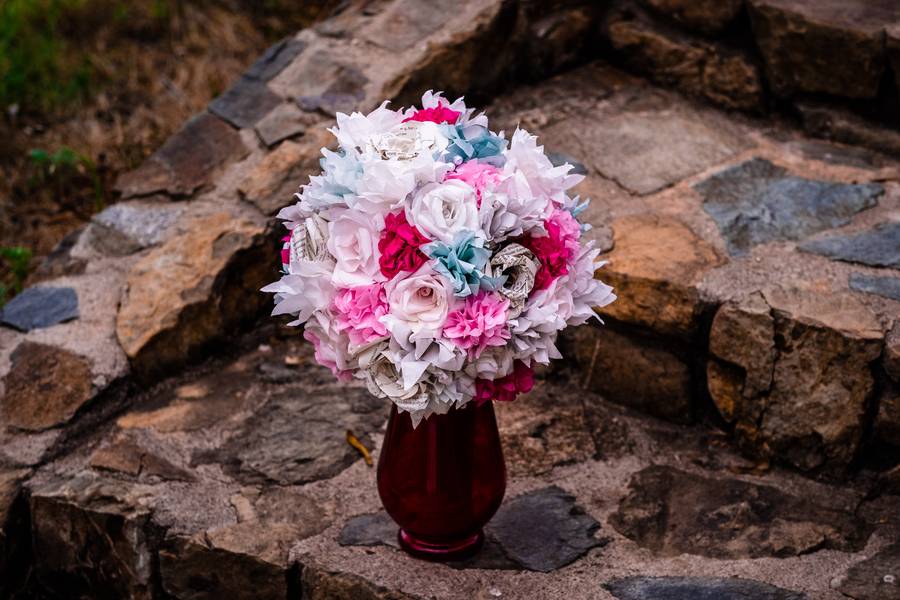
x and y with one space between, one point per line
443 480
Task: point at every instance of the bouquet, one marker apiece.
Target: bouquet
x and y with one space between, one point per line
435 259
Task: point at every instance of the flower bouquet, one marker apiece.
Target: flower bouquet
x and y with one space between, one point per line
437 261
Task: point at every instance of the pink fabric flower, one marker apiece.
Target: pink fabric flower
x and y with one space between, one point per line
556 250
476 174
481 322
399 246
436 114
505 389
325 355
358 310
286 250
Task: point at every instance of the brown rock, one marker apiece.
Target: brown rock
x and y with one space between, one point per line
704 16
176 298
9 490
641 373
695 66
285 121
45 386
652 266
671 512
273 182
795 380
874 578
830 46
887 422
14 534
557 35
892 352
318 583
87 553
188 160
843 126
126 454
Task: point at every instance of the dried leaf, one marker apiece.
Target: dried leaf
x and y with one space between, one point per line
354 441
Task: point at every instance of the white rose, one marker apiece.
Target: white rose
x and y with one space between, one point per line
407 141
420 301
353 242
440 210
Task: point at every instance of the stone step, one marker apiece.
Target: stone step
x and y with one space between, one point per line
234 480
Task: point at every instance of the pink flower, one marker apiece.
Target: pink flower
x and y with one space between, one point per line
476 174
286 251
481 322
358 311
556 250
326 355
436 114
399 246
505 389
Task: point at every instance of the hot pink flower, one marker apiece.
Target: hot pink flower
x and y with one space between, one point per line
481 322
399 246
556 250
357 312
436 114
286 250
476 174
505 389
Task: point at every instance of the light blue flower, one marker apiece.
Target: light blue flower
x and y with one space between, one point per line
474 141
337 183
463 263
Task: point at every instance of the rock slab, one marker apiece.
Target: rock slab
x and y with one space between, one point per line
889 287
876 247
697 588
39 307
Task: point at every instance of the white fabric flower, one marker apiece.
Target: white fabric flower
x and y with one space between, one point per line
353 242
419 302
304 290
407 141
441 210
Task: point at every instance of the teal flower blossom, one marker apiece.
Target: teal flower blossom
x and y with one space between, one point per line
463 262
474 141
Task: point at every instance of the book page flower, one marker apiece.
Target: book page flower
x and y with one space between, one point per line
441 210
421 300
478 324
353 242
358 312
463 262
399 246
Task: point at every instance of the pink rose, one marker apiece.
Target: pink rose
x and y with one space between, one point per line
478 324
328 352
358 311
437 114
399 246
505 389
476 174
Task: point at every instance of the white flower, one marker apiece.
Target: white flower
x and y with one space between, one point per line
354 131
419 302
407 141
441 210
533 173
588 292
306 289
353 242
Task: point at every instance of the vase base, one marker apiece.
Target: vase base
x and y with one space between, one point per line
455 550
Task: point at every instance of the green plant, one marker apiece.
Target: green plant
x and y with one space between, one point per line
62 167
17 260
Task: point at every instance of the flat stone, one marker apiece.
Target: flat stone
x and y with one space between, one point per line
39 307
126 227
697 588
245 102
272 183
275 59
645 151
757 202
557 35
889 287
705 16
283 122
875 578
344 93
187 161
175 300
133 454
295 440
321 583
542 531
404 24
671 57
876 247
634 371
654 261
832 46
843 126
670 512
44 387
776 362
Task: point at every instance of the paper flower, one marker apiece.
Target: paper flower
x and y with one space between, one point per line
435 259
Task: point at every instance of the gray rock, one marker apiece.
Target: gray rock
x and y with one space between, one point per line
672 512
245 103
343 94
757 202
39 307
889 287
876 247
697 588
294 440
286 121
558 159
127 227
275 59
543 530
876 578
